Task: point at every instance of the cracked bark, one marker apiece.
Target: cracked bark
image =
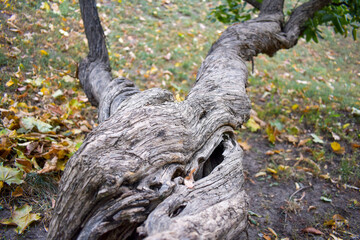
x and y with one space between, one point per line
127 179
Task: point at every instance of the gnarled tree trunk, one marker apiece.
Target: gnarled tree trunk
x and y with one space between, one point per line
159 169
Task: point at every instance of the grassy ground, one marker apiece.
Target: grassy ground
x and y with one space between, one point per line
307 99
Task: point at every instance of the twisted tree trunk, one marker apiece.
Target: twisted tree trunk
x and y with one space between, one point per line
159 169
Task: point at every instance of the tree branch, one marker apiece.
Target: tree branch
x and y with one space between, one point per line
95 71
94 31
271 7
293 27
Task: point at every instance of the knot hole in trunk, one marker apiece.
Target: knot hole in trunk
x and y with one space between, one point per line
214 160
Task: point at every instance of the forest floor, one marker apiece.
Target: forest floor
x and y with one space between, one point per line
301 144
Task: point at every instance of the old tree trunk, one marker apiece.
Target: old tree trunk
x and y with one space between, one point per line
159 169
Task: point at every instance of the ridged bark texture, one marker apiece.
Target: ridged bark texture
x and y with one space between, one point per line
159 169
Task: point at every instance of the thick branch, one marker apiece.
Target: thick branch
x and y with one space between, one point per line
94 70
294 26
94 32
272 7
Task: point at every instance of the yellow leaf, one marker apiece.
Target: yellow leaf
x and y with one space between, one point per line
325 176
21 217
1 184
44 53
22 105
336 147
153 69
283 168
271 170
45 6
295 106
179 98
9 83
254 126
346 125
45 91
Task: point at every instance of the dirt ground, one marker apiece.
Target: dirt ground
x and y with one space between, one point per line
270 204
269 199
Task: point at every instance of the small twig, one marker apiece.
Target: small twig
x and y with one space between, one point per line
297 191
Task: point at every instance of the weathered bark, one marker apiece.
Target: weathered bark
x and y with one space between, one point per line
131 178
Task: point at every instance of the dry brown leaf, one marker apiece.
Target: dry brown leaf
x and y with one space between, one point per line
266 237
312 230
50 166
26 164
270 152
18 192
292 139
272 232
355 145
189 179
244 145
303 142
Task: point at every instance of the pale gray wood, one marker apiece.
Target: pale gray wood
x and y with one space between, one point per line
130 178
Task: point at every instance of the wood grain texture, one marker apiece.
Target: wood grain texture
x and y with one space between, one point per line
155 168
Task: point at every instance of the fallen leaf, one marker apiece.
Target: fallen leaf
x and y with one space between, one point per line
283 168
273 232
292 139
24 164
336 147
335 136
303 142
266 237
270 152
260 174
271 170
325 176
244 145
10 175
44 53
17 192
189 179
167 56
312 231
50 166
294 107
251 213
252 125
325 199
57 93
254 115
28 123
9 83
22 218
355 145
317 139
